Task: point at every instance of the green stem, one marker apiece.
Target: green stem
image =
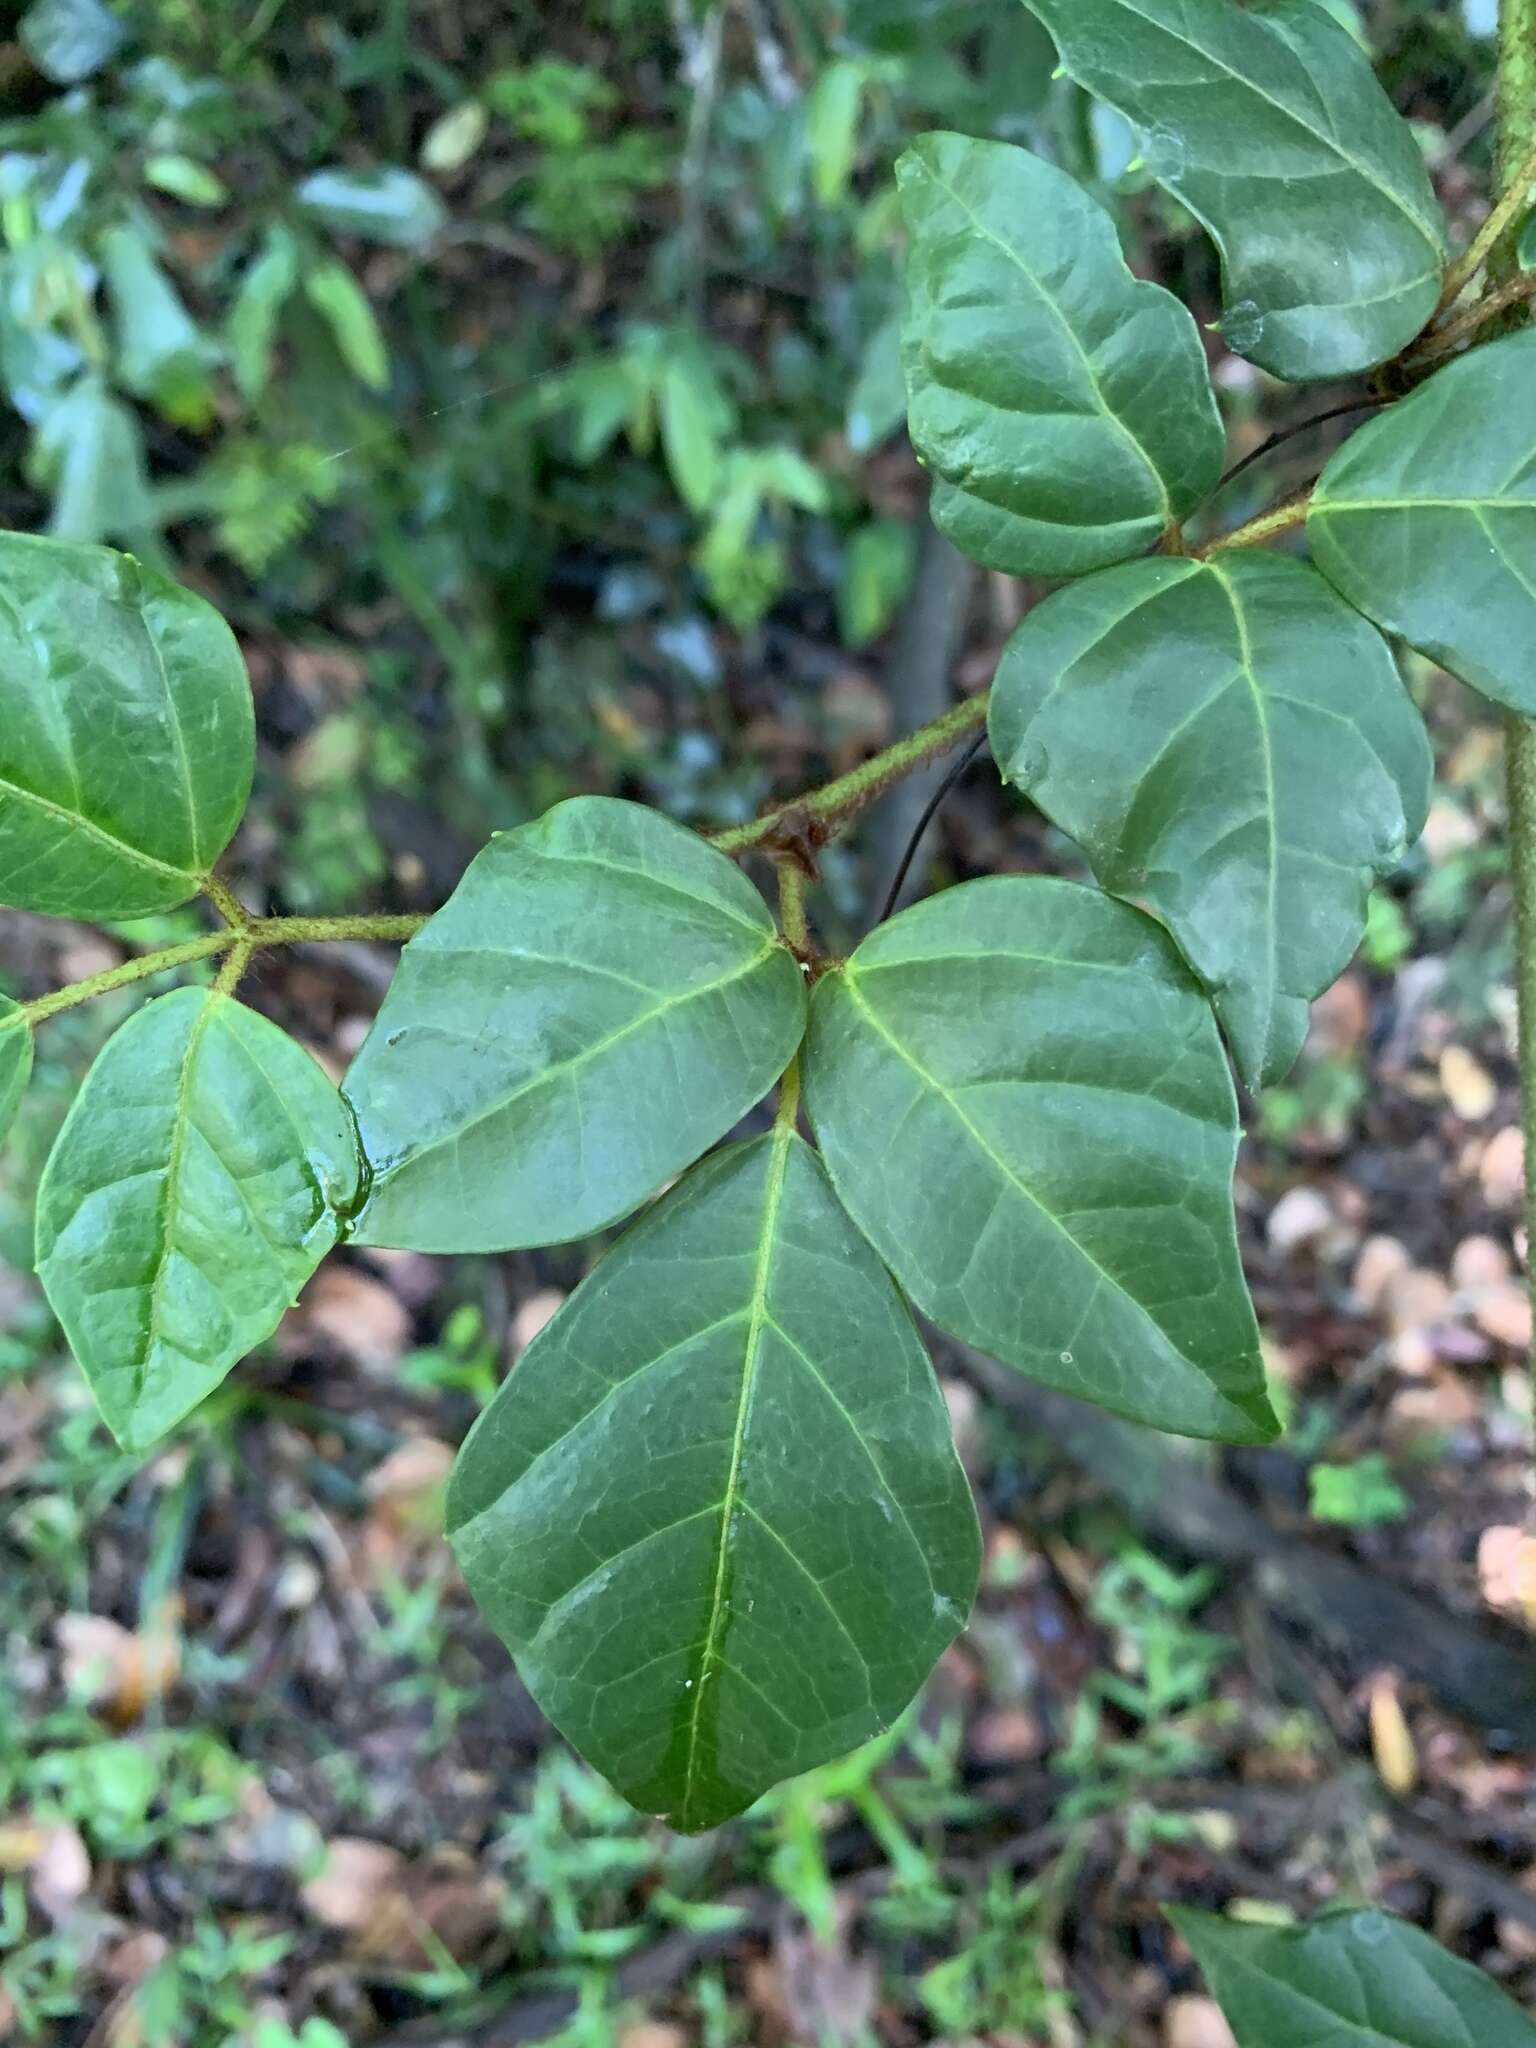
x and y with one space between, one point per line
793 920
821 814
239 943
139 968
1516 177
1517 146
1280 520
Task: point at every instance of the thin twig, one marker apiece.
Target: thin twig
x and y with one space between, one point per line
930 812
1284 434
1517 191
1444 341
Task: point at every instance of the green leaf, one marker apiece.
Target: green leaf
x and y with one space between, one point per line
1525 248
126 735
388 204
1353 1979
68 40
345 308
455 136
1062 404
186 179
689 415
161 354
1266 121
832 128
89 454
601 999
1426 520
1230 744
766 1576
877 573
1023 1103
195 1186
265 289
877 405
15 1059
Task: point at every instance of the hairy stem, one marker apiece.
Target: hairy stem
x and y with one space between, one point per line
1444 341
238 942
1280 519
1517 149
1517 174
793 920
824 811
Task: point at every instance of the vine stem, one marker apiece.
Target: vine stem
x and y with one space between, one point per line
237 941
1444 341
1517 155
819 815
1280 518
1517 174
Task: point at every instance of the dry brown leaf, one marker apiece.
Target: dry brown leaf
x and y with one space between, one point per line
829 1993
109 1666
355 1886
1502 1169
1480 1262
1469 1088
1196 2023
1006 1735
1341 1017
1382 1260
1300 1217
1448 829
351 1314
60 1873
653 2034
408 1484
1504 1313
1506 1571
1515 1938
532 1315
1443 1402
1392 1744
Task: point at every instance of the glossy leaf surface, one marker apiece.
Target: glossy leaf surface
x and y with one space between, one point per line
1353 1979
603 997
1267 122
194 1188
716 1511
1022 1099
15 1060
1062 404
1230 744
1426 520
126 738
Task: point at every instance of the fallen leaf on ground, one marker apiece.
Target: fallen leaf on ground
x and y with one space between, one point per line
1382 1260
1480 1262
531 1317
1506 1571
1502 1169
112 1667
1392 1744
1504 1313
348 1312
357 1881
1469 1087
1196 2023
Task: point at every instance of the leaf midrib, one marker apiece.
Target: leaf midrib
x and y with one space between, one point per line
947 1095
77 821
167 1220
757 1328
1106 411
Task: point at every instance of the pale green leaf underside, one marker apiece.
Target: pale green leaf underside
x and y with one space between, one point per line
601 999
1023 1102
1231 745
126 733
15 1060
716 1512
1356 1979
194 1188
1426 520
1266 121
1062 404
